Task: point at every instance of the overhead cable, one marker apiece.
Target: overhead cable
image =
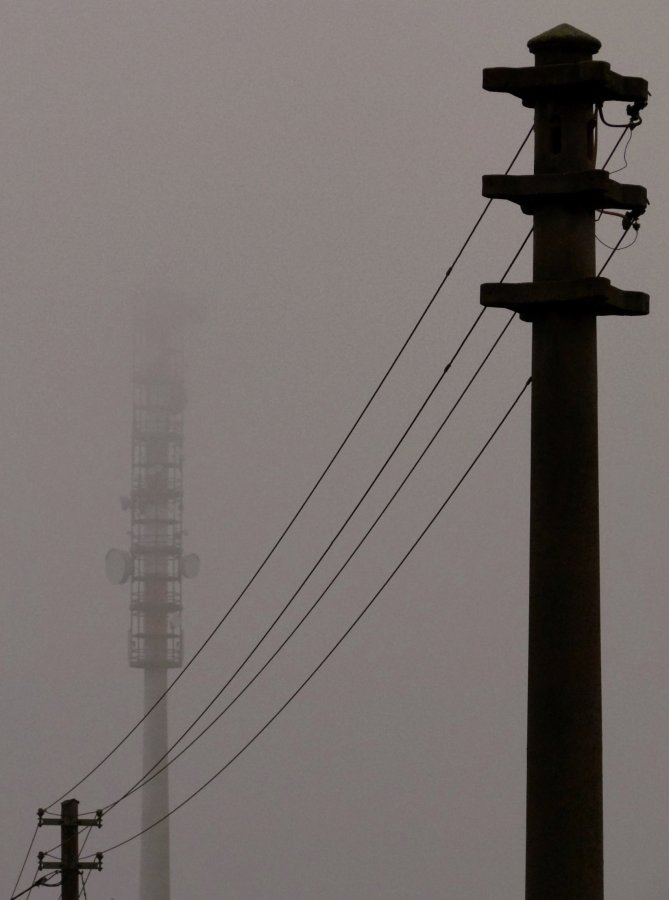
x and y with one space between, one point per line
635 120
350 628
25 860
295 516
147 776
629 221
353 553
39 882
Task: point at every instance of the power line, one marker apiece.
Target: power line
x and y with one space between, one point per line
295 516
617 246
82 892
341 639
157 769
615 147
25 859
635 120
39 882
353 553
629 221
144 779
625 149
148 776
87 874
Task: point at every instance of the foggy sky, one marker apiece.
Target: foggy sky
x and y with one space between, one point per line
301 175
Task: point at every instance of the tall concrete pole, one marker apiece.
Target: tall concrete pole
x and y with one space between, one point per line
564 858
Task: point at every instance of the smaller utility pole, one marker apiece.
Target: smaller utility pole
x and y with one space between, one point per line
70 866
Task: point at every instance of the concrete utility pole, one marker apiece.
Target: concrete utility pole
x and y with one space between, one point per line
70 866
564 741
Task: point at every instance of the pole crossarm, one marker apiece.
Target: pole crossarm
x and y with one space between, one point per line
591 189
594 295
591 79
93 823
95 864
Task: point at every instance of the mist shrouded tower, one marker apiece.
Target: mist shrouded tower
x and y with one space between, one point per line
155 564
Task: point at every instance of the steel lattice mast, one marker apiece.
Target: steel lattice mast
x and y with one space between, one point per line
155 565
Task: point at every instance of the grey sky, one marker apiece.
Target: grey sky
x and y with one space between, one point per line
302 174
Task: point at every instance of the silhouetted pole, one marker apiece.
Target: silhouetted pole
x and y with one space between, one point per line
69 850
564 740
69 864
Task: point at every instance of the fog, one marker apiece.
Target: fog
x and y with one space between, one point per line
296 178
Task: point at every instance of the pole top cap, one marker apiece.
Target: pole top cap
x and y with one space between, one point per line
564 38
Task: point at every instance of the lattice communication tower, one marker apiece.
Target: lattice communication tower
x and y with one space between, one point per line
155 565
